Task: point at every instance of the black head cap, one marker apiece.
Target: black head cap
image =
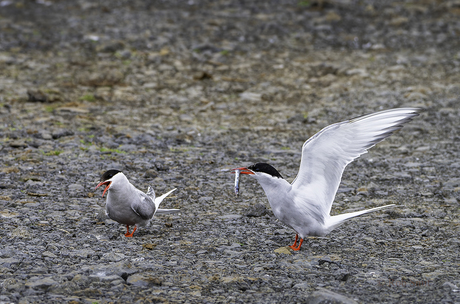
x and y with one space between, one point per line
109 174
266 168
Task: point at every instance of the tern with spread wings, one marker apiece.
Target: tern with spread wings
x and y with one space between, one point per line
305 204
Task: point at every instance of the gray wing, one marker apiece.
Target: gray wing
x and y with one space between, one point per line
144 206
326 154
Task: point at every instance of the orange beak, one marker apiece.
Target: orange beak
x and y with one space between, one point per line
243 170
106 187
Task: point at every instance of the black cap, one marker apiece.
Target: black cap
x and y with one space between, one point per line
109 174
266 168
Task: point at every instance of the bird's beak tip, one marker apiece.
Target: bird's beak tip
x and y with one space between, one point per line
243 170
106 188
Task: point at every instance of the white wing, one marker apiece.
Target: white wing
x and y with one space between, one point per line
326 154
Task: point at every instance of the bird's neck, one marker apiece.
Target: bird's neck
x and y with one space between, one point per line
274 187
122 193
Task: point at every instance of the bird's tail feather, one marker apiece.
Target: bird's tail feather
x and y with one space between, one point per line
337 220
159 199
167 211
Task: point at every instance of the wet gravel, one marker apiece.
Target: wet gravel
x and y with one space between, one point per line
172 93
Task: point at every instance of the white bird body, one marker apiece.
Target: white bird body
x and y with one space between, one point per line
128 205
305 204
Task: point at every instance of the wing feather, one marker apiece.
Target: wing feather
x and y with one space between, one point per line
144 207
326 154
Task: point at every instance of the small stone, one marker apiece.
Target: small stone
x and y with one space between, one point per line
283 250
44 283
251 96
17 144
37 95
202 75
44 135
257 210
49 254
230 216
186 117
128 148
398 21
138 279
451 286
61 133
21 232
151 173
111 47
326 296
76 187
304 285
149 246
9 262
113 256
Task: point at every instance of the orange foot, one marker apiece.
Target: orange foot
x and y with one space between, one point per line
293 246
127 234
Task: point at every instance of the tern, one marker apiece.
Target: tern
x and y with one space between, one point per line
128 205
305 204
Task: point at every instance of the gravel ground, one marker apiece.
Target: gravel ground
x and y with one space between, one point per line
171 93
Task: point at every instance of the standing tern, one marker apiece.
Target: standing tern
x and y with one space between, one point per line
128 205
305 204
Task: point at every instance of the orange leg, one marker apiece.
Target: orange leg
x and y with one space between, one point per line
127 231
295 242
293 247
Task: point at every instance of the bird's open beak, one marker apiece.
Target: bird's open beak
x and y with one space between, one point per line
106 187
243 170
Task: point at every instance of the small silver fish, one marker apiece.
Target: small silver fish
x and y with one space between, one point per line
237 182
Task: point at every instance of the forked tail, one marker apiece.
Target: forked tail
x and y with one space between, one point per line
158 201
337 220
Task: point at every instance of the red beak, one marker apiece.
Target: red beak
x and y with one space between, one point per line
243 170
106 188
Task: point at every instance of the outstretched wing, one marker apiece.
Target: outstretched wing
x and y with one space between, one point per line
326 154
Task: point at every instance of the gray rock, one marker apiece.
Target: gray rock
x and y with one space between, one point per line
76 187
113 256
323 296
36 95
256 211
303 285
142 280
40 283
128 148
230 216
61 133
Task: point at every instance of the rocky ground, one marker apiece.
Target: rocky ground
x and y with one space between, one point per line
172 93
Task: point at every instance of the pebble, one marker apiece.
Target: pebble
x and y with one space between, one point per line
143 280
326 296
40 283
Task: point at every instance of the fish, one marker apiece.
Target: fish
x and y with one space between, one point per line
237 182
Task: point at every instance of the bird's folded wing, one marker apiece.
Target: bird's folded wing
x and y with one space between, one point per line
144 207
326 154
